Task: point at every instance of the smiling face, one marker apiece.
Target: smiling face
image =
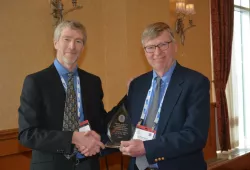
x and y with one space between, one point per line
162 58
69 47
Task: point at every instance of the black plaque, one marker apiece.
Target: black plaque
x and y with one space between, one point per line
120 128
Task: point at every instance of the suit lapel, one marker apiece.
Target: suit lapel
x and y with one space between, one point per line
142 91
83 83
171 97
57 80
58 91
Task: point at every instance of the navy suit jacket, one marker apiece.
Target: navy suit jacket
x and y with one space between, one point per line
184 120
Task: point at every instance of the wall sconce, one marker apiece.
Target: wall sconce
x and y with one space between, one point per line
58 12
183 11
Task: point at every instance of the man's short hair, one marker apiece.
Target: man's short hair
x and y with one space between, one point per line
154 30
70 24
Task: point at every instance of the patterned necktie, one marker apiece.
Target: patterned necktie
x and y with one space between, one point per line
141 162
70 119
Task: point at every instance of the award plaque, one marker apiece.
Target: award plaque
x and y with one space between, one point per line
120 128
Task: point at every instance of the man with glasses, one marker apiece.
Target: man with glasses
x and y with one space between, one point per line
169 107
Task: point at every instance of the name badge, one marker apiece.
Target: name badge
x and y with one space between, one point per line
84 126
144 133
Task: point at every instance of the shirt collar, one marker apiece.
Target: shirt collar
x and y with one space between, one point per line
166 77
61 69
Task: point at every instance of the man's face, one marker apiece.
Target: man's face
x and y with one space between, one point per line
161 59
69 46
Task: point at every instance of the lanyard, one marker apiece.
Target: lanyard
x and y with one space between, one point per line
146 106
78 93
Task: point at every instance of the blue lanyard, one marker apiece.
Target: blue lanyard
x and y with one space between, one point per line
78 93
146 106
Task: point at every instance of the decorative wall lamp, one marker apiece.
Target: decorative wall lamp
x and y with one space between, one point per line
58 12
183 11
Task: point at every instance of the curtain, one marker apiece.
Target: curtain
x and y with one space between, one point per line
237 91
233 110
222 17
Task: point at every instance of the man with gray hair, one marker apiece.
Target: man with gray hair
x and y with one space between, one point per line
169 106
61 112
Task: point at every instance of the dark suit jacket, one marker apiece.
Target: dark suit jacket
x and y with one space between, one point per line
41 116
184 120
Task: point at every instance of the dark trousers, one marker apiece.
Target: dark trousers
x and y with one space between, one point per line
89 164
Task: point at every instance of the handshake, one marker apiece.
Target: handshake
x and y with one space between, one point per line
87 143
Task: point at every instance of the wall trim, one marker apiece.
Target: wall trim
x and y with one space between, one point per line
9 144
8 134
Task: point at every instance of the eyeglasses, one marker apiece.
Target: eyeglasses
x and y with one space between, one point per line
161 46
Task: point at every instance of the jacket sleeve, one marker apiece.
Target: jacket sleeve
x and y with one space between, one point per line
31 132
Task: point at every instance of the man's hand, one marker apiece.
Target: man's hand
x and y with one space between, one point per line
88 143
96 149
134 148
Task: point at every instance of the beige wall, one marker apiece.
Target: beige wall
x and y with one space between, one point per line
25 47
113 49
196 52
